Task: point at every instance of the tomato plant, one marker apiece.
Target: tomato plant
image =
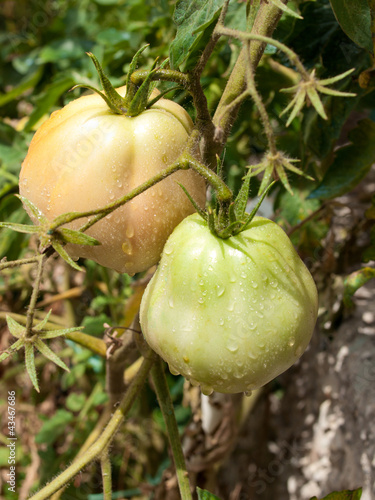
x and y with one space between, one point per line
230 314
85 156
114 175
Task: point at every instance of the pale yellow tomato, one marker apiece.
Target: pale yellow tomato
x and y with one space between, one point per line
84 156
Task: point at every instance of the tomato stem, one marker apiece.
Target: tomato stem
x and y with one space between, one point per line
166 406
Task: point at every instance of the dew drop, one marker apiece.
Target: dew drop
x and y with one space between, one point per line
299 351
201 282
129 231
291 341
220 290
248 393
232 345
231 306
173 370
274 284
221 321
201 300
170 302
206 390
127 247
168 249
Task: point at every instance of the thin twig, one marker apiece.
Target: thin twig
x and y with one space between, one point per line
34 296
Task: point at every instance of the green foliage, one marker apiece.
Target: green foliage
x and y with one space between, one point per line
355 19
206 495
343 495
351 163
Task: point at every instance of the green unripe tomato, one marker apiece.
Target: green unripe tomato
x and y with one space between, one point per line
229 314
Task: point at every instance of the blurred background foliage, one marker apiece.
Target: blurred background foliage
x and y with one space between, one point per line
42 56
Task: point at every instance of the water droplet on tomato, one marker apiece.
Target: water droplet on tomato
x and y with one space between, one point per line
173 370
129 232
220 290
221 321
170 302
298 352
248 393
291 341
206 390
232 345
127 247
201 300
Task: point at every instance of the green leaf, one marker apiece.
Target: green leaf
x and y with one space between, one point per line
48 353
54 427
351 163
12 349
354 17
64 254
20 228
76 237
15 328
75 402
33 209
30 365
43 323
26 83
195 21
343 495
206 495
243 195
52 334
354 281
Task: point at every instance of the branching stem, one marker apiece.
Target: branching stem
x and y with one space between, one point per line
105 438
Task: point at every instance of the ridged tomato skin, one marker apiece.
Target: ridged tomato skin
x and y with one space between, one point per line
84 156
229 314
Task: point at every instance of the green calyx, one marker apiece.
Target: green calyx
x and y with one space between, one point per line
136 100
228 216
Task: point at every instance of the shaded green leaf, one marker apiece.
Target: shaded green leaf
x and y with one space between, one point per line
206 495
355 281
351 163
26 83
64 254
54 427
195 21
30 365
354 17
75 402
